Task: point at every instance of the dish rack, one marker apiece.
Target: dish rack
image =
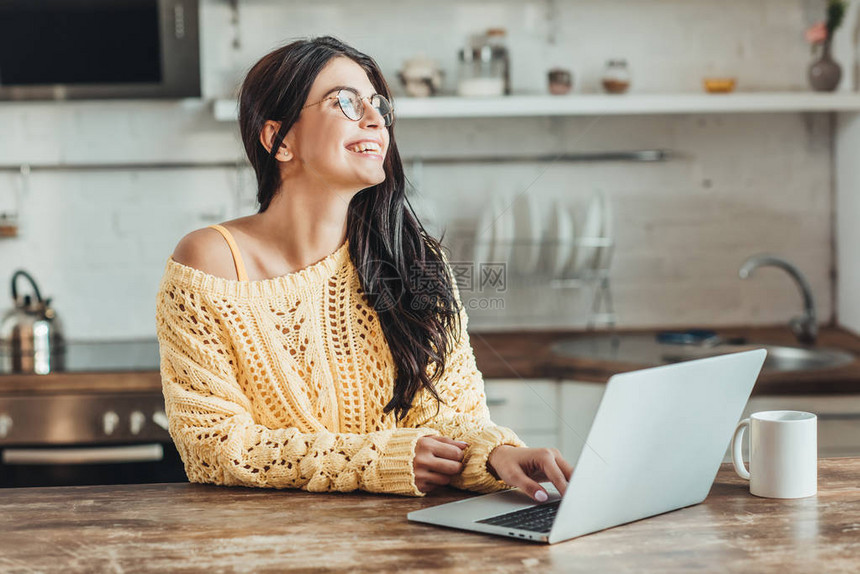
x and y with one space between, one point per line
588 267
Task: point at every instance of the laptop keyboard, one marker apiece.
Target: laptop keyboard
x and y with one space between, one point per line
535 518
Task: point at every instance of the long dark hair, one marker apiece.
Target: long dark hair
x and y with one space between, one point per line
387 243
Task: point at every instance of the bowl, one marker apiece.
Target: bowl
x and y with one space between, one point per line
719 85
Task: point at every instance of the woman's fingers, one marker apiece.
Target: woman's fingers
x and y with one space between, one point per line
428 451
565 466
438 478
527 467
554 473
522 481
439 457
431 445
437 464
548 466
426 480
449 440
448 448
447 451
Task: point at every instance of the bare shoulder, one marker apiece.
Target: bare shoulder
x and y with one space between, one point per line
206 250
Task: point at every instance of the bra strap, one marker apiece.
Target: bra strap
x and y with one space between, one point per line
237 257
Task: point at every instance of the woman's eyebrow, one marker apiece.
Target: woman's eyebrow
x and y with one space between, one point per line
338 88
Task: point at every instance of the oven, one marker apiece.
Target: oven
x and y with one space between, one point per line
85 438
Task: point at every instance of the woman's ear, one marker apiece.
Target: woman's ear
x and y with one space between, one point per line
267 138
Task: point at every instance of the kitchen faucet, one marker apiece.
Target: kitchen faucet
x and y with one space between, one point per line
804 327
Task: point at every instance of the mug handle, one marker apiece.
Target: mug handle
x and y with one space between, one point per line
737 452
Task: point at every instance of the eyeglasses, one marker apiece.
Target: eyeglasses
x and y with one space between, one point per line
352 105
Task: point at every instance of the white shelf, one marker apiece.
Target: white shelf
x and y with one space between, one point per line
601 104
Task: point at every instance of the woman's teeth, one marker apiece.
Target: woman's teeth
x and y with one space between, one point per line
365 147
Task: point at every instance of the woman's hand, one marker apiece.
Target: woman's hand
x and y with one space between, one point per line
526 467
437 459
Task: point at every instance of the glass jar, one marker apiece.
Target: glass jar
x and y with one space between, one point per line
496 38
8 224
560 81
616 76
482 69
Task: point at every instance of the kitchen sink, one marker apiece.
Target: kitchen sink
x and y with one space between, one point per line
641 349
782 358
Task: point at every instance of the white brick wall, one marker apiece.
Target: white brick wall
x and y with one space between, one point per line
683 227
97 241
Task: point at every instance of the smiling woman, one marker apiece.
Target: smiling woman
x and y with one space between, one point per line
338 358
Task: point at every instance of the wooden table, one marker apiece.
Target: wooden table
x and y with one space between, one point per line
196 528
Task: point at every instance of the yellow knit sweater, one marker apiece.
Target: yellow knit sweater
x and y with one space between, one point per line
282 382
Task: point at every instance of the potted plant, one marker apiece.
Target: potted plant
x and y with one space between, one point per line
825 73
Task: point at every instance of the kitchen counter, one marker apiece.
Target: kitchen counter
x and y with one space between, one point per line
503 355
132 366
191 527
94 366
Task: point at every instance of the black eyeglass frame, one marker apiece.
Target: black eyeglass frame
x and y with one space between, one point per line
388 118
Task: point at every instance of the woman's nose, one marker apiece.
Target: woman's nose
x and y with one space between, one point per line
371 116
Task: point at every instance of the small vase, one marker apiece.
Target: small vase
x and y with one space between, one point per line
824 73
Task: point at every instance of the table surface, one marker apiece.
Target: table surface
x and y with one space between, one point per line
192 527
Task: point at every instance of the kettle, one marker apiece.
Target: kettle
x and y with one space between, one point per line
31 334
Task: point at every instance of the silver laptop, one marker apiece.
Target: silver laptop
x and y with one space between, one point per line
656 444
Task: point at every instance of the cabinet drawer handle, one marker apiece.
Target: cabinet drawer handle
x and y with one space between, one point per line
496 401
93 455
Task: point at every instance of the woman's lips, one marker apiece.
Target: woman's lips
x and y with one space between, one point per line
366 154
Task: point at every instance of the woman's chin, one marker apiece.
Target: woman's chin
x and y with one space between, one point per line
371 179
356 178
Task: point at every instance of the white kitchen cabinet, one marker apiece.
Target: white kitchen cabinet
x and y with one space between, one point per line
529 407
546 412
540 439
838 419
559 413
579 402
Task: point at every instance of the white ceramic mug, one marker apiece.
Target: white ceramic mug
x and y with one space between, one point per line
783 453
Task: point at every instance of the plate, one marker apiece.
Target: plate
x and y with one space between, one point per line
607 232
527 230
588 240
560 238
571 213
503 232
483 248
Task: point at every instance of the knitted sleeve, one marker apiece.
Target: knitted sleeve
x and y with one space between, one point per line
211 421
465 417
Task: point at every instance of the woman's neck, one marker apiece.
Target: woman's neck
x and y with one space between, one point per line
304 227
